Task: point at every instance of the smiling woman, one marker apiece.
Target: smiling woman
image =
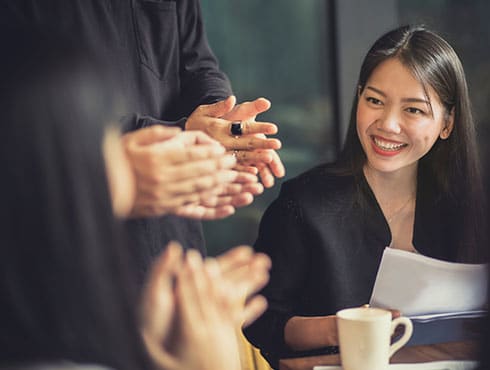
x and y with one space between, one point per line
397 118
408 178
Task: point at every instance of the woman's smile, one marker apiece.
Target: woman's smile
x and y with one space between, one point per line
386 147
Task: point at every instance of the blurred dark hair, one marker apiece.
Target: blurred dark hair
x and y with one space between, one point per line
65 281
452 166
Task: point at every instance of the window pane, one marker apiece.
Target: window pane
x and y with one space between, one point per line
279 50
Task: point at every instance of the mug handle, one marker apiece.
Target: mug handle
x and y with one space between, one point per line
405 321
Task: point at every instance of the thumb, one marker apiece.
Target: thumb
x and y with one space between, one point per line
151 135
220 108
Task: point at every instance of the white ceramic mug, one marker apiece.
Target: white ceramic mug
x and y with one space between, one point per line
364 337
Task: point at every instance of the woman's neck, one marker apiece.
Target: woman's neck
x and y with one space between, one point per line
395 193
392 188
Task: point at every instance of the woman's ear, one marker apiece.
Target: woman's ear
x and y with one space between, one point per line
448 125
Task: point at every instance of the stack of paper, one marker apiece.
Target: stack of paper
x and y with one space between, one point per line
425 288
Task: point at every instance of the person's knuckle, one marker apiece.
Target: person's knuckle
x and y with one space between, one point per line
246 127
251 143
204 183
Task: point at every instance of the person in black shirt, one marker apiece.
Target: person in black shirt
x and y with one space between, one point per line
160 54
408 178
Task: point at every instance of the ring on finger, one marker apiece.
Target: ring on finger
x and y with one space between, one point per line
236 129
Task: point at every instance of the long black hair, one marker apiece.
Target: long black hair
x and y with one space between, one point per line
65 281
452 166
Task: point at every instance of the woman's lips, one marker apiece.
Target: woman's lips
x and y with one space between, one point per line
386 147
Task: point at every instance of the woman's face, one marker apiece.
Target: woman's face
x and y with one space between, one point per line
120 175
397 123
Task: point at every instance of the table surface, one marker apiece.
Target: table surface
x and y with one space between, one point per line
434 352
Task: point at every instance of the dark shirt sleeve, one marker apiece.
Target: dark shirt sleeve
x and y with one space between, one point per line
200 79
202 82
136 121
280 236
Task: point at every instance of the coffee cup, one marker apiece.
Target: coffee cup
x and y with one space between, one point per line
364 337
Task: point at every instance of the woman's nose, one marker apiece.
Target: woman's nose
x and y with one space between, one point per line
389 122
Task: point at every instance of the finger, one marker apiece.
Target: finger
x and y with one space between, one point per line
276 166
199 212
261 262
195 153
246 178
241 199
245 157
159 354
234 258
266 176
218 109
162 207
190 287
251 142
253 188
248 110
218 292
166 264
158 292
253 310
196 137
252 127
201 183
150 135
249 169
205 290
395 313
250 276
235 188
198 168
228 189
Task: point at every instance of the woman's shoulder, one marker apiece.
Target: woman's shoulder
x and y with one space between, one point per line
325 180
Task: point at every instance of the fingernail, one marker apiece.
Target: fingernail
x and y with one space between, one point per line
174 248
212 267
194 259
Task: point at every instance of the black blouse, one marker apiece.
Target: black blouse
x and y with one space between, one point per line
325 234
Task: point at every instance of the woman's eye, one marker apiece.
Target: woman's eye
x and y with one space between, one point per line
374 101
414 110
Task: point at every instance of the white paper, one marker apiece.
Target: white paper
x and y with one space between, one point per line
434 365
425 288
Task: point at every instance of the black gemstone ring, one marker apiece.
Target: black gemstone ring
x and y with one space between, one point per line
236 128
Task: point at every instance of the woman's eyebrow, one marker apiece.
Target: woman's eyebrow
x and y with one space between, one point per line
405 100
376 91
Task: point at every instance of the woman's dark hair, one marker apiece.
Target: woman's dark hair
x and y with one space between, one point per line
452 166
66 290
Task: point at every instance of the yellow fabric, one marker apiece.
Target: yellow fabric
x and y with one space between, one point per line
250 357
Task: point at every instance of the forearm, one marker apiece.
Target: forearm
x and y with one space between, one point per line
304 333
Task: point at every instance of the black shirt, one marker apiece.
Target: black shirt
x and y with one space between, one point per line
325 234
160 54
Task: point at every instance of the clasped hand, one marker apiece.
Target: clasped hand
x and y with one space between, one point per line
255 152
184 173
192 308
